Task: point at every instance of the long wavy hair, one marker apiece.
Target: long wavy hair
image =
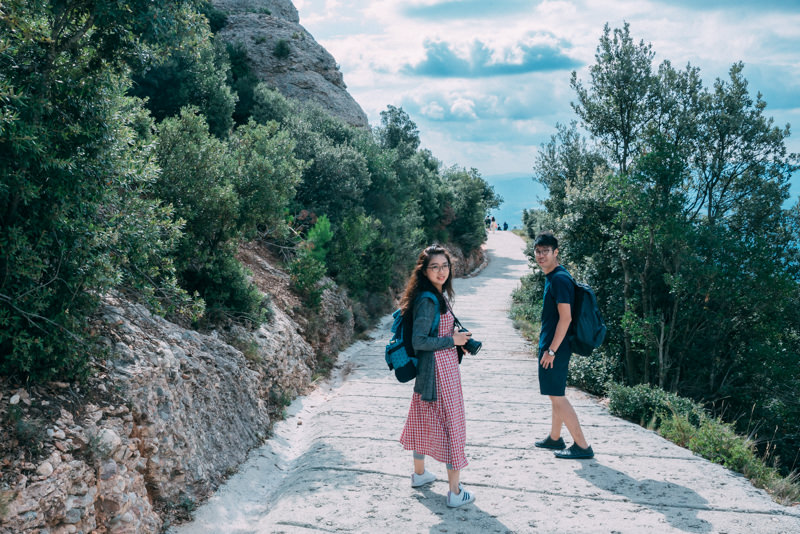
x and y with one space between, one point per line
418 281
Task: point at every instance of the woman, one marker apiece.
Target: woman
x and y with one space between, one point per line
436 425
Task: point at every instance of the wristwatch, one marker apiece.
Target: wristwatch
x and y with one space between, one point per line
550 352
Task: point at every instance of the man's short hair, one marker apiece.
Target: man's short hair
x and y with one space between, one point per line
546 239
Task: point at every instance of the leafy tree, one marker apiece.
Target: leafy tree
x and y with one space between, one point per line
270 105
398 131
472 198
193 72
243 82
337 176
196 179
674 214
264 177
71 173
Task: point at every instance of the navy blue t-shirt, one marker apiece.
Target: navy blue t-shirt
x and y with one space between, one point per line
558 289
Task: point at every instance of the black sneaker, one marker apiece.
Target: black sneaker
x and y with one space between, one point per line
576 453
550 443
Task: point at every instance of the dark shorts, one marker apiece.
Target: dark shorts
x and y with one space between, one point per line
553 381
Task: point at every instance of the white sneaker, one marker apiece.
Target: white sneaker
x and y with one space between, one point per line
420 480
464 497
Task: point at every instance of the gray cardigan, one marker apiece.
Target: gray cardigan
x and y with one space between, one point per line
425 311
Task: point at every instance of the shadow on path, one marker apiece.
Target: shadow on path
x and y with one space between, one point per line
678 504
469 518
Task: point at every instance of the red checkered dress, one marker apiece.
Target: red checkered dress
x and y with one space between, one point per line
439 429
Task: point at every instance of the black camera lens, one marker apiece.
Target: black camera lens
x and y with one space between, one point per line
473 346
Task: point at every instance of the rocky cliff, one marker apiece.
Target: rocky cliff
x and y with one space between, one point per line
169 415
285 56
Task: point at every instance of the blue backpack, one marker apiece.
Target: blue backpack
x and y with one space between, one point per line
587 329
400 352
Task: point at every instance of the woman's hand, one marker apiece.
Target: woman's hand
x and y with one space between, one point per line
461 338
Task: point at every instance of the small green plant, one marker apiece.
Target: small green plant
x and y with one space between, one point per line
677 429
248 347
28 431
282 49
319 237
306 274
344 316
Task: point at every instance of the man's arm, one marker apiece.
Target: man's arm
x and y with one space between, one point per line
564 318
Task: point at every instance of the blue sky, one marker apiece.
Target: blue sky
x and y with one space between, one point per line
487 81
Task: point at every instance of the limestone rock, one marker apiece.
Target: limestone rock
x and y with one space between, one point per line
283 9
309 73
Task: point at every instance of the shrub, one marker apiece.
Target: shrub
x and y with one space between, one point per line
242 81
318 238
592 373
648 405
217 19
718 442
193 75
282 49
526 300
677 429
202 181
269 105
306 274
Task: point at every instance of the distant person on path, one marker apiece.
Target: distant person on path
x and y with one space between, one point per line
554 351
487 221
505 226
436 425
494 225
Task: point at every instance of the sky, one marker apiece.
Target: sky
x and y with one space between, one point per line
486 81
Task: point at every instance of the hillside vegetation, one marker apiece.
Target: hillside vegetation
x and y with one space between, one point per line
138 154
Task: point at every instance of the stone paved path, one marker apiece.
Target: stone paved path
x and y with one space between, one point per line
335 464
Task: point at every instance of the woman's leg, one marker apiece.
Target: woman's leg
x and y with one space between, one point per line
419 463
453 476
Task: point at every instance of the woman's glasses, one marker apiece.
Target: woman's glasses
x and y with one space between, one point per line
439 268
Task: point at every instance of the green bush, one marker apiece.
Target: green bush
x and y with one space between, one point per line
217 19
592 373
718 442
648 405
282 49
526 300
270 105
264 175
191 75
318 238
75 197
223 282
306 274
243 82
207 183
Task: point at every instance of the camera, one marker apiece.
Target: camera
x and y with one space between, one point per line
472 345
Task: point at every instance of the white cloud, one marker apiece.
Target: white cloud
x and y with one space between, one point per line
495 124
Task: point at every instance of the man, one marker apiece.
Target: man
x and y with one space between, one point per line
554 351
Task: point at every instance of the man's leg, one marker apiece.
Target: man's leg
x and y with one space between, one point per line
563 412
556 420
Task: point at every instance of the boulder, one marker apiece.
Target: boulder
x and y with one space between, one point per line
307 72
